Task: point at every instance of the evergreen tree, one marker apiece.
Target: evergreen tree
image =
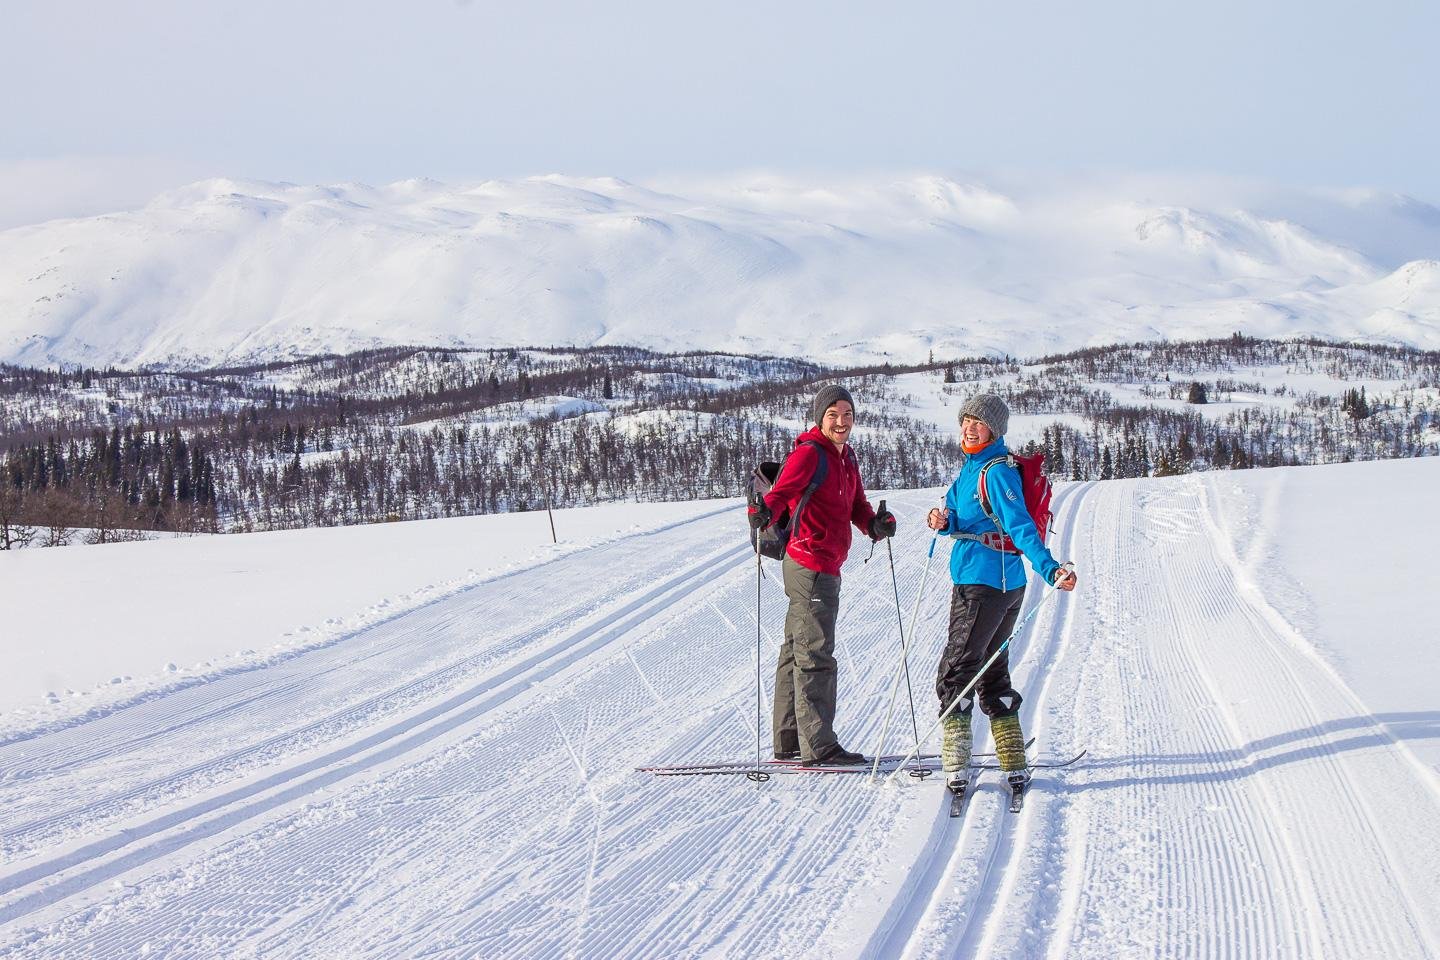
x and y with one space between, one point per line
1055 451
1184 450
1354 403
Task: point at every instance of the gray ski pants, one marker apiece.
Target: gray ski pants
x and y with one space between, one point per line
805 677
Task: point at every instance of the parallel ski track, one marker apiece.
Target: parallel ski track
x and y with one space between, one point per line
18 839
48 752
954 891
1203 835
1244 680
655 897
386 850
1233 821
88 865
514 825
290 684
1347 829
1189 871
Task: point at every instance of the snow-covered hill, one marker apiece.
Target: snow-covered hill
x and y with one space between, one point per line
836 271
1254 683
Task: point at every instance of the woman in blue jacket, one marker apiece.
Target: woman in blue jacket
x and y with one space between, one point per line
989 587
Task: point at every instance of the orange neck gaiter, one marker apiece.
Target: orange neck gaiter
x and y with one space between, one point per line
972 449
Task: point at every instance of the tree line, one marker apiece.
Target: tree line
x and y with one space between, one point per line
410 433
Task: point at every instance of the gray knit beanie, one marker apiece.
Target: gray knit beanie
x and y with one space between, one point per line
829 395
989 410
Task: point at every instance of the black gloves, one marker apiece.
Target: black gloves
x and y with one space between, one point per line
883 523
760 515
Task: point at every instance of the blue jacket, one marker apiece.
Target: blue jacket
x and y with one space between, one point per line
972 561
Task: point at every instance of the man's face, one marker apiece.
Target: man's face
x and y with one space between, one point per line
974 433
836 423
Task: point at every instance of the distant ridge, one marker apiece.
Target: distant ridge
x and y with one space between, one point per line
229 271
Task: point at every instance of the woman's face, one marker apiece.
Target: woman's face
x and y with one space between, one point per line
974 433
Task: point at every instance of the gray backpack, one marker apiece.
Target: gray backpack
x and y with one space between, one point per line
771 541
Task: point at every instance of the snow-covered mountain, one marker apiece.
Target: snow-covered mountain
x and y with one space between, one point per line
225 270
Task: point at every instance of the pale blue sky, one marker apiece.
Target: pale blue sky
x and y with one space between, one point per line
99 98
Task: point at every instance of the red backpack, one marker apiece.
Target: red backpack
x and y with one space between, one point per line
1036 488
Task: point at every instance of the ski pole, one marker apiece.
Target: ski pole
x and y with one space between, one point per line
758 776
905 652
976 679
904 659
759 691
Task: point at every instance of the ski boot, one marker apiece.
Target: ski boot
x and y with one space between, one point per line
1018 781
959 786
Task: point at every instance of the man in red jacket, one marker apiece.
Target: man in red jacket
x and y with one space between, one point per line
803 724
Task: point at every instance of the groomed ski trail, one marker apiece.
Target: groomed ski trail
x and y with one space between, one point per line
1238 800
951 905
426 785
459 781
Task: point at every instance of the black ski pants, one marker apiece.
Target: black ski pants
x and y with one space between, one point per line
806 674
981 619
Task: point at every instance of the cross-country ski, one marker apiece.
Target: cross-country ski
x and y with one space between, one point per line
959 786
1041 763
722 764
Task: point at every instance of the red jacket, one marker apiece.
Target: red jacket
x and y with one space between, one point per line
821 541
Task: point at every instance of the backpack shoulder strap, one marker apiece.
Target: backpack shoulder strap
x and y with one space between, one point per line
1009 461
822 467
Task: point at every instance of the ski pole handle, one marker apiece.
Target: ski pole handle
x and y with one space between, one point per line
1066 573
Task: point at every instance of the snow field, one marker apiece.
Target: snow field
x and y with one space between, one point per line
131 621
457 781
639 673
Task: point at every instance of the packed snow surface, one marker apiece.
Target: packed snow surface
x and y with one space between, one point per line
191 608
846 272
1249 662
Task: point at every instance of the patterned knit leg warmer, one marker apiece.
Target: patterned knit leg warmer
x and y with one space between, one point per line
1009 741
955 747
